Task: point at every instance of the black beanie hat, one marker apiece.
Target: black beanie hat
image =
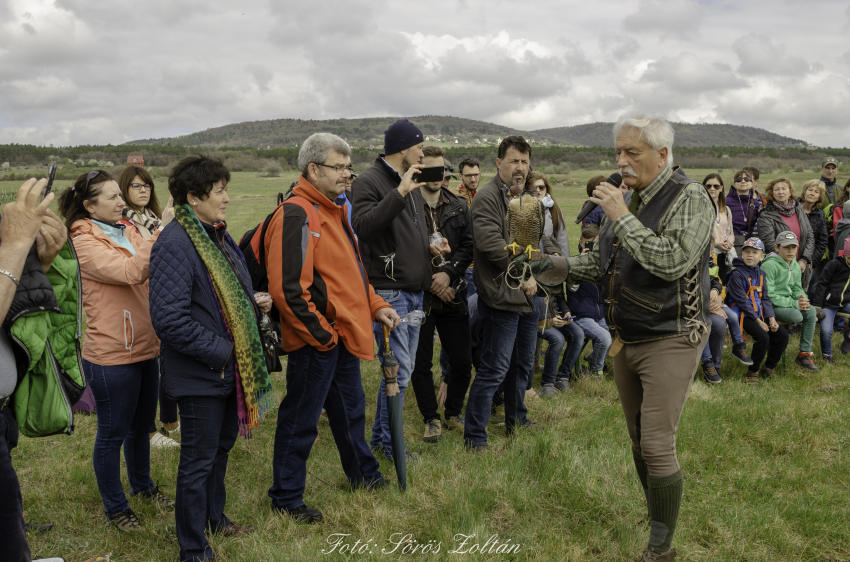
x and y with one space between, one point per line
401 135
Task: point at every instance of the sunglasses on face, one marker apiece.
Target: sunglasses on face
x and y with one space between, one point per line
743 180
713 186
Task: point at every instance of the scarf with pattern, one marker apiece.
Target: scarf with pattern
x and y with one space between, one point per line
785 209
254 387
145 218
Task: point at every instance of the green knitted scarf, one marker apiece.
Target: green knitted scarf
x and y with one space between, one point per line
256 386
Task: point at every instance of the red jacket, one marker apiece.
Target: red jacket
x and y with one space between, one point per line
321 292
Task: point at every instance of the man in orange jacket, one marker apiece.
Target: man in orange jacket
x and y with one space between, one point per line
326 304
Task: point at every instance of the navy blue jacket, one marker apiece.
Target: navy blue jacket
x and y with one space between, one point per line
196 352
586 301
738 285
595 217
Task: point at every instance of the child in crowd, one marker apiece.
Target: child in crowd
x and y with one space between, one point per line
553 325
832 294
789 300
585 301
748 296
721 316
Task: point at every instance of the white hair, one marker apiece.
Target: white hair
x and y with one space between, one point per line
654 130
318 147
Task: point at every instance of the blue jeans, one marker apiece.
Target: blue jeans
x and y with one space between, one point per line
826 328
601 338
403 343
126 397
508 340
317 379
471 290
734 325
575 338
208 430
553 354
713 349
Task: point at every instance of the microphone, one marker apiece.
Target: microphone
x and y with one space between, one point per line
614 179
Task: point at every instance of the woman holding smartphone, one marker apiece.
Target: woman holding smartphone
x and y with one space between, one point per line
722 237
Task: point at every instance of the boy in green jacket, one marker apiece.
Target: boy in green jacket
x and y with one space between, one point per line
785 288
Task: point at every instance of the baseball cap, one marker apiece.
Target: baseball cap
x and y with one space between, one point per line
829 160
787 238
754 243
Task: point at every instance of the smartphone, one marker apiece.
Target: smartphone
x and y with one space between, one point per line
589 245
51 173
429 173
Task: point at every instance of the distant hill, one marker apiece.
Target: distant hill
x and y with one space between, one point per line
369 133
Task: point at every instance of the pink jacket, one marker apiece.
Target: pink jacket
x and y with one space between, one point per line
115 295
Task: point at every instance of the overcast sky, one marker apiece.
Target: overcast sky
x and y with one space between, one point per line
96 72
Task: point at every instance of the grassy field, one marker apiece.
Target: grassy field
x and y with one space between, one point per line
766 472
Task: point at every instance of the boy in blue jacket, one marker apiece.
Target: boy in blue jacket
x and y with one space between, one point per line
747 295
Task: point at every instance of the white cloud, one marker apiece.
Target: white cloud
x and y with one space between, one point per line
667 19
759 56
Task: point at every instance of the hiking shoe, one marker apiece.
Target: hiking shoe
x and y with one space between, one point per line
432 431
752 377
768 374
158 497
845 345
709 373
649 555
547 390
828 359
170 432
739 352
477 449
126 521
455 422
160 441
563 385
804 359
302 514
495 420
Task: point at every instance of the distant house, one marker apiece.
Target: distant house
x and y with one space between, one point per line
137 160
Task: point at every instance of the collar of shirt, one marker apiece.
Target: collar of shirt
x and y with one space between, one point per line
390 166
505 187
646 194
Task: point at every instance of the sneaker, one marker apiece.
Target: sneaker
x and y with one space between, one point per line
495 420
455 422
739 352
160 441
158 497
768 374
432 431
752 377
302 514
828 360
845 345
804 359
126 521
563 385
710 373
547 390
649 555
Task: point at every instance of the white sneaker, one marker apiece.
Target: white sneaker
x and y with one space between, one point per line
160 441
170 432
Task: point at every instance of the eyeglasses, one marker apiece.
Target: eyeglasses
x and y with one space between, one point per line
471 176
338 169
139 186
743 180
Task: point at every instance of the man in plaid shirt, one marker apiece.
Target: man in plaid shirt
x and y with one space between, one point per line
652 260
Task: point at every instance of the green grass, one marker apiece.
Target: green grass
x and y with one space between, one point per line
765 468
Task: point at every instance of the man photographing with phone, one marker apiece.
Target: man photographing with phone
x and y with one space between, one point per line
389 220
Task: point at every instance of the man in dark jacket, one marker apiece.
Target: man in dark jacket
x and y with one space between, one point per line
445 304
392 233
508 316
19 270
828 171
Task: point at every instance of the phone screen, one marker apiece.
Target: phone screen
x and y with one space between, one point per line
589 245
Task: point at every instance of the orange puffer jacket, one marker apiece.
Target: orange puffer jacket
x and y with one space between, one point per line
115 295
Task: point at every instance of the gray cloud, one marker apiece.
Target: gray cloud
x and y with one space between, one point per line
86 71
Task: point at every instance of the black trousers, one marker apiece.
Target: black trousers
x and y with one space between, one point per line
12 531
770 343
452 323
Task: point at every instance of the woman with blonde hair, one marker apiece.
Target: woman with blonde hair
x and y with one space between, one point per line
813 198
555 227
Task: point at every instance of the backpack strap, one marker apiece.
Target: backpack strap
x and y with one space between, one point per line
312 210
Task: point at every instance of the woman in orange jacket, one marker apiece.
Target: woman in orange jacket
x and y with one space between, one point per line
121 348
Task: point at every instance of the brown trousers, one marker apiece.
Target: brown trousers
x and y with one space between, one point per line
653 380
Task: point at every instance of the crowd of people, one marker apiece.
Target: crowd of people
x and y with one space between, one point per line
177 312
